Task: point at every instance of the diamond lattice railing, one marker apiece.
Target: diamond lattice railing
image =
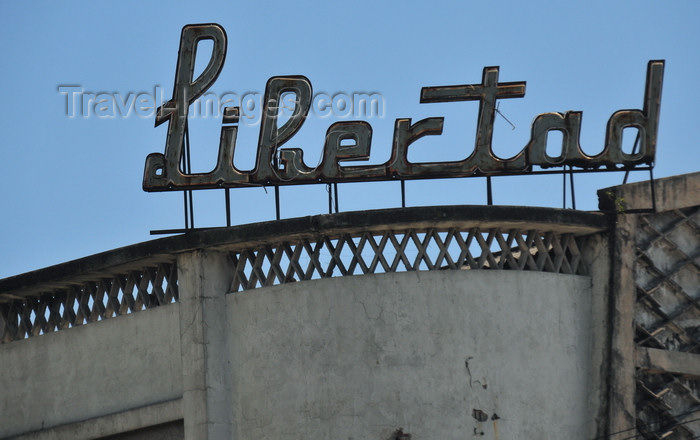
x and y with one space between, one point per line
316 257
667 317
89 301
306 253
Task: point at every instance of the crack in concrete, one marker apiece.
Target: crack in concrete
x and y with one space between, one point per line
469 372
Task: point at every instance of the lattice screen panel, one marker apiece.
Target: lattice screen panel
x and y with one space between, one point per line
667 317
89 301
407 250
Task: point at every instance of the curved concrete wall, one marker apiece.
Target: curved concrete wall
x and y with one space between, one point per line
90 371
441 355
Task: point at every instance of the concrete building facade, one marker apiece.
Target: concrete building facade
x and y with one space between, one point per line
419 323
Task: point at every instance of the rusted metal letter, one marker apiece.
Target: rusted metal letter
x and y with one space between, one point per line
569 124
486 93
334 152
405 134
646 121
163 171
272 136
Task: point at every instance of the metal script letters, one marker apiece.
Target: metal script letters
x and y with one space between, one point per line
352 140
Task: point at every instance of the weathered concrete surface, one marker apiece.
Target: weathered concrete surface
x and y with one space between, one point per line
204 278
159 421
666 361
85 372
653 316
596 255
622 299
442 355
671 193
166 431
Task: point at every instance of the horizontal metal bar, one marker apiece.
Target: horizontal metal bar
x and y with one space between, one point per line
390 178
182 230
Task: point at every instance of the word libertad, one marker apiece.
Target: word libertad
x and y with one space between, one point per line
351 140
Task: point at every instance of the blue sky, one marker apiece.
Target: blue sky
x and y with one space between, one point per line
72 186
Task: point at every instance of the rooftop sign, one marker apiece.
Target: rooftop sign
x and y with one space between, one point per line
352 140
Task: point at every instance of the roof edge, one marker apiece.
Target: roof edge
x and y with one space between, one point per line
166 249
